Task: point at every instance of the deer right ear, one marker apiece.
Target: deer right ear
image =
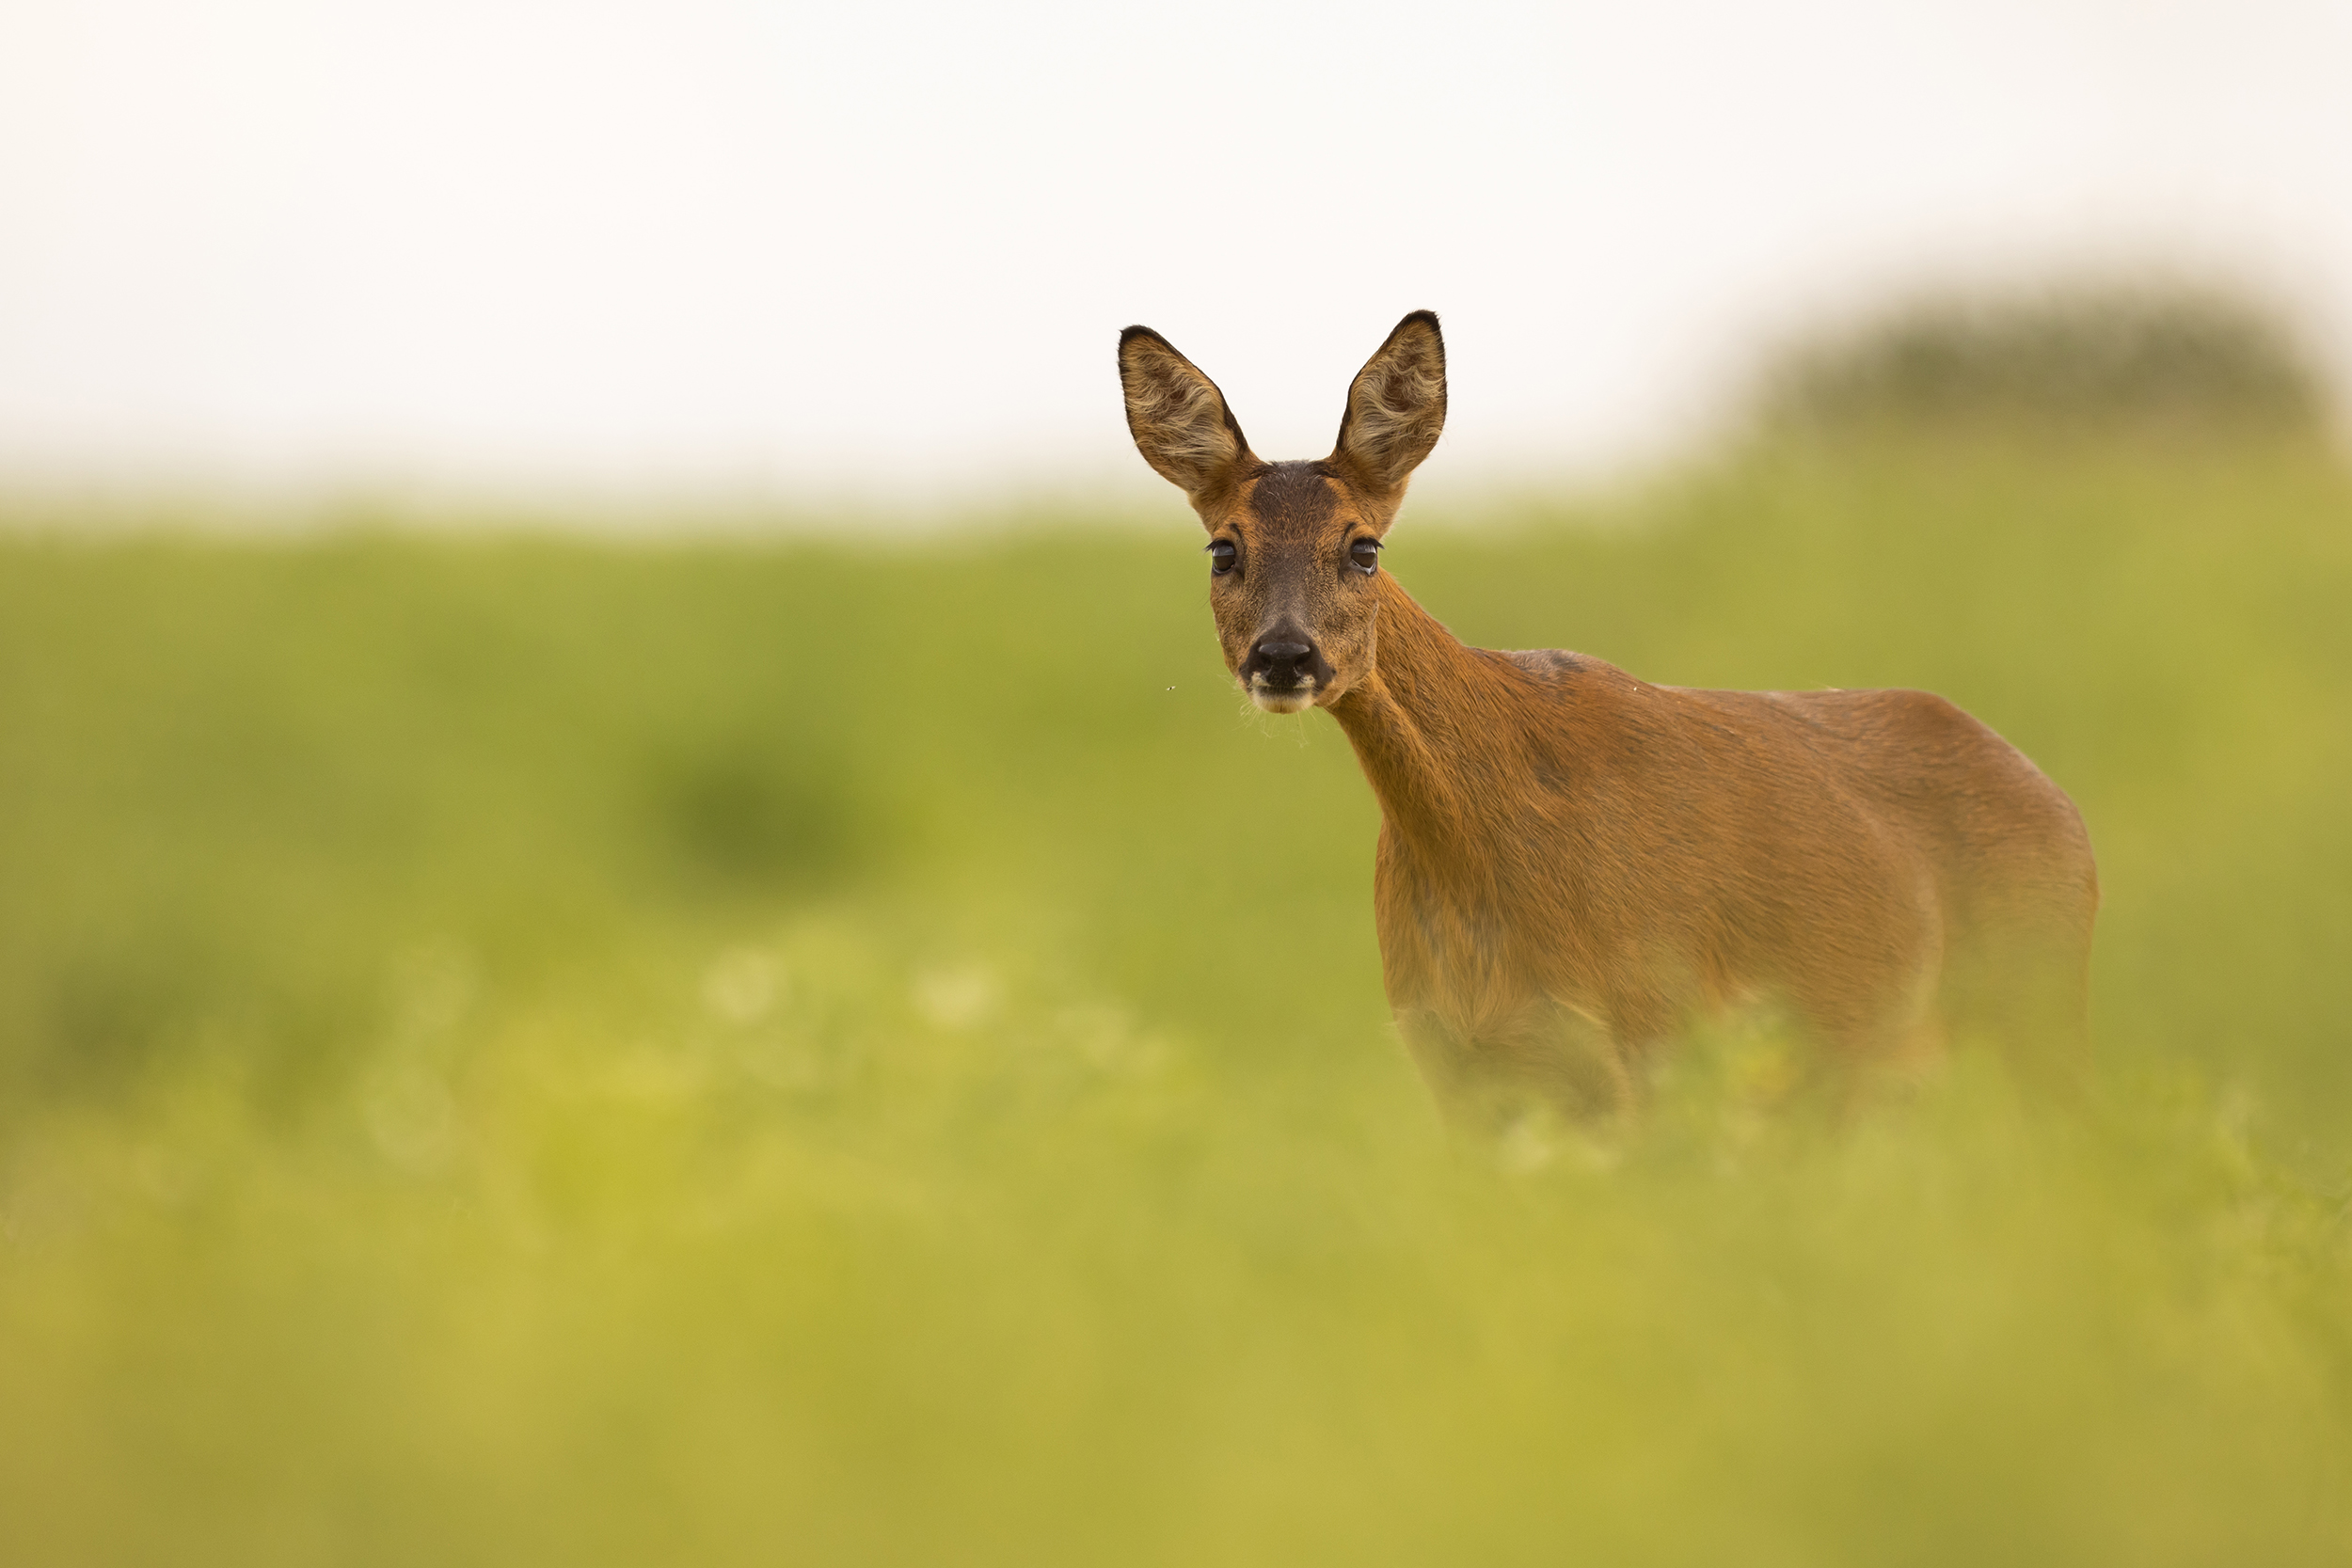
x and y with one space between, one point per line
1395 408
1178 417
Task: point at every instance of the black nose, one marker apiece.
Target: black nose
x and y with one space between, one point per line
1282 662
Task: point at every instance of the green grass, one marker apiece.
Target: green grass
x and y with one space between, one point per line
515 1051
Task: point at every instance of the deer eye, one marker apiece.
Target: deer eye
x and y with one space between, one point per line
1365 554
1222 557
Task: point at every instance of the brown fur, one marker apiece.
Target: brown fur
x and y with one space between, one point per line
1574 864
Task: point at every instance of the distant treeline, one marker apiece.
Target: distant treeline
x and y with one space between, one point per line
2086 353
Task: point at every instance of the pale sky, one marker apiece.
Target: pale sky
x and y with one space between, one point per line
885 251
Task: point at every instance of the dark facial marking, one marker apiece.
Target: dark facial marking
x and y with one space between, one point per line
1293 500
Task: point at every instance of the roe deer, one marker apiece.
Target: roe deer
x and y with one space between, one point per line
1573 862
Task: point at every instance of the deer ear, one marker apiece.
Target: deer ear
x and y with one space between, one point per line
1178 417
1395 406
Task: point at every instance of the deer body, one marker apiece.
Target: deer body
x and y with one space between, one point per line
1574 864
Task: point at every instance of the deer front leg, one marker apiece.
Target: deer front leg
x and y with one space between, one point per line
1547 1060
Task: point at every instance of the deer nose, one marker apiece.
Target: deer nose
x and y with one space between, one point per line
1280 660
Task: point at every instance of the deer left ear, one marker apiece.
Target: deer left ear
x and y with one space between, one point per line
1178 417
1395 408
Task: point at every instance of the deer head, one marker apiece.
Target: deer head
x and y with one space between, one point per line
1294 548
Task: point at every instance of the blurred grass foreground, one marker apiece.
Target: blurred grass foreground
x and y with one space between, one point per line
515 1051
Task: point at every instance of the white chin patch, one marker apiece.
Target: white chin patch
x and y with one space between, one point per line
1296 699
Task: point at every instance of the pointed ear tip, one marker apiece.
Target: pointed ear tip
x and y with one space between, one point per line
1128 335
1425 318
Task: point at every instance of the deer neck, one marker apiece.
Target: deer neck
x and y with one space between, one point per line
1432 724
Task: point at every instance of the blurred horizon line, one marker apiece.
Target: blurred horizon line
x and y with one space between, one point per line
688 513
1493 458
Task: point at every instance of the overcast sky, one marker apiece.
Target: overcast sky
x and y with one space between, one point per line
886 250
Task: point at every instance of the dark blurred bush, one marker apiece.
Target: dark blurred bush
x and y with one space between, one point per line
762 817
2074 355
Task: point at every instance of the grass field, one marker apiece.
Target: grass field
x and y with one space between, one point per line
515 1051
